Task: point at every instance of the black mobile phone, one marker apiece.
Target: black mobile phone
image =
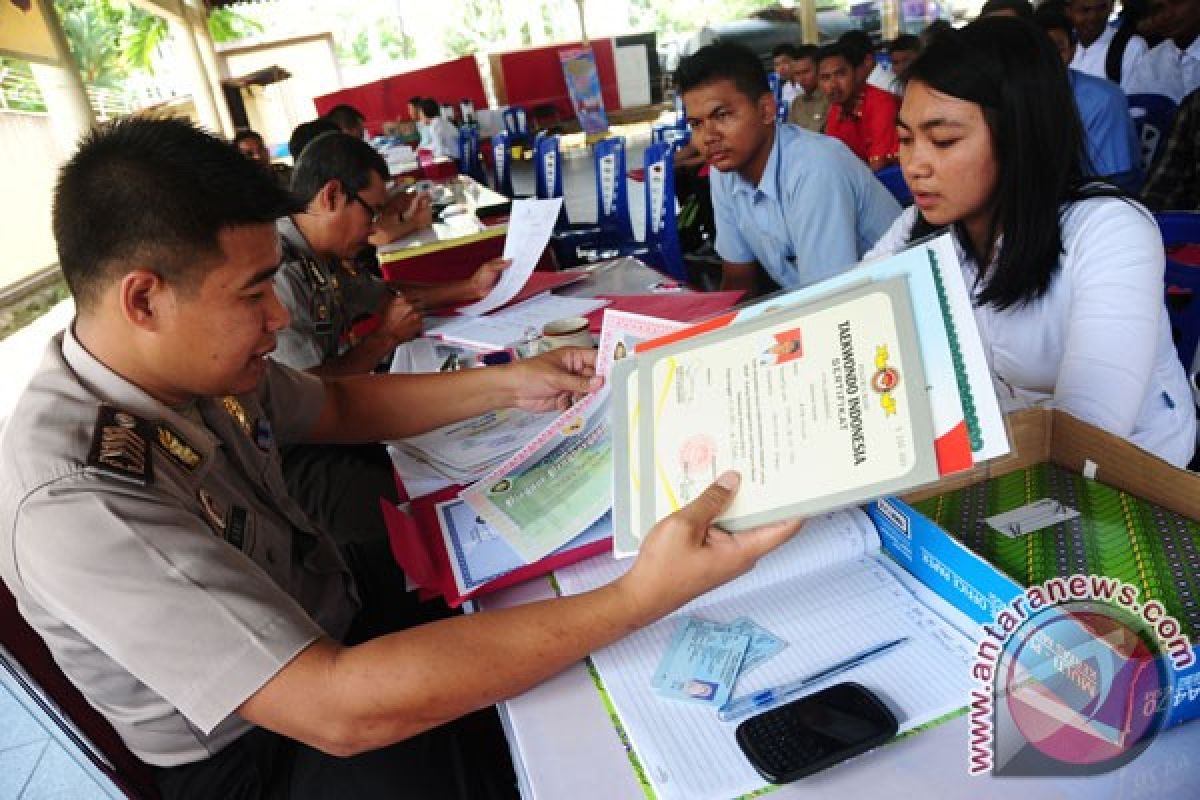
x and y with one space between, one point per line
814 732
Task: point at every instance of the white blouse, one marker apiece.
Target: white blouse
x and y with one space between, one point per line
1097 344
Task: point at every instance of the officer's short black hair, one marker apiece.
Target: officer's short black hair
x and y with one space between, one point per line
305 132
154 193
345 116
785 49
724 61
336 156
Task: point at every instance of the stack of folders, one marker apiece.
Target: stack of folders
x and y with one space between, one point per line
870 383
465 451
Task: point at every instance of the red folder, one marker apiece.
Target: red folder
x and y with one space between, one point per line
678 306
417 546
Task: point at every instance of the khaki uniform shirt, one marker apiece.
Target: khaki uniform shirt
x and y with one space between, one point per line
161 559
809 111
323 300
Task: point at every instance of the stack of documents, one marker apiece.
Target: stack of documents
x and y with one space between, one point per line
465 451
871 383
558 485
516 324
452 553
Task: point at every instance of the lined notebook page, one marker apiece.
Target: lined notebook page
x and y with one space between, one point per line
824 541
842 606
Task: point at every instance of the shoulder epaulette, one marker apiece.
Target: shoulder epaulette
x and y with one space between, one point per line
121 446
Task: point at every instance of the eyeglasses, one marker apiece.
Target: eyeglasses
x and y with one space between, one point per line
375 214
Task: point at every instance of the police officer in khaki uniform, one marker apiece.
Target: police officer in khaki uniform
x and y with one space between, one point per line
147 535
341 183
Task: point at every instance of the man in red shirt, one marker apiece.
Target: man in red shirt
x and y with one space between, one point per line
862 116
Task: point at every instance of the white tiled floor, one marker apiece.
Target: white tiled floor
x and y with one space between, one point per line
37 761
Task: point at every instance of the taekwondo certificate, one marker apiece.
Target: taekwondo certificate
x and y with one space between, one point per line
817 407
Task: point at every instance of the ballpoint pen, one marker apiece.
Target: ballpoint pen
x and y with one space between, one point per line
739 707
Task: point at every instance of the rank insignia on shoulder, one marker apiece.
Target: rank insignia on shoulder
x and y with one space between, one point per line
238 412
120 446
175 446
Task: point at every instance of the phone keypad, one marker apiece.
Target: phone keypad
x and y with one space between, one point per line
784 743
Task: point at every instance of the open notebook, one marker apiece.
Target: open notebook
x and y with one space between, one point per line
830 593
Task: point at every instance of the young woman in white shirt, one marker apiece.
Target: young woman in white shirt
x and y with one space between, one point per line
1067 272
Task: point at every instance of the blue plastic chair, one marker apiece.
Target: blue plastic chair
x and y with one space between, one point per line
1183 282
578 244
1152 117
893 179
502 164
468 153
612 190
661 248
662 233
547 161
516 123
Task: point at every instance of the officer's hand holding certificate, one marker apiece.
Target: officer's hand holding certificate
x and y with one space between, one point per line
817 407
553 380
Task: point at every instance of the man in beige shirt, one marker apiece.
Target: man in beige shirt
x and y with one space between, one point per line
148 536
810 107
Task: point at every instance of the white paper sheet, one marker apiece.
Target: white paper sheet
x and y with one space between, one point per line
529 227
515 324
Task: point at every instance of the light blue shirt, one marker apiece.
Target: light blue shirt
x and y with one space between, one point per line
1112 142
814 213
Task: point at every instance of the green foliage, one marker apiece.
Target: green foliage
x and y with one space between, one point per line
112 38
24 311
227 25
479 25
383 39
143 37
20 89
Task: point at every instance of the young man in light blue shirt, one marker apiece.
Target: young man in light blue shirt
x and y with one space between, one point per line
1112 141
796 205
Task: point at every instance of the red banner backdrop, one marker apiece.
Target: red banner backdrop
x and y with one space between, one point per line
387 99
534 77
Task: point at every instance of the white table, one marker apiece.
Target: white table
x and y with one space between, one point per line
564 746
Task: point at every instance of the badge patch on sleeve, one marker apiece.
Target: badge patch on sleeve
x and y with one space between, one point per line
235 528
120 446
264 438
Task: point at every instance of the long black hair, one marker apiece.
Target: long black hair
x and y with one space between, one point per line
1010 68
